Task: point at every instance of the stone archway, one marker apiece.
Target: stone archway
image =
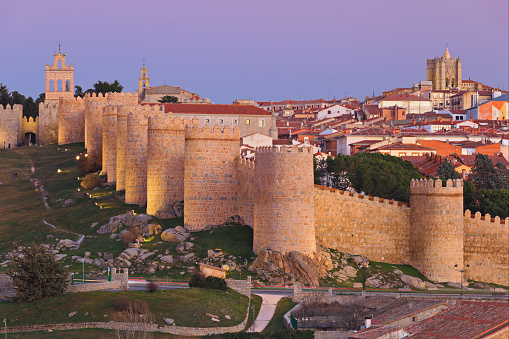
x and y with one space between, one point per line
30 139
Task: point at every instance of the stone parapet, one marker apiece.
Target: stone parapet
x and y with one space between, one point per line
48 122
71 120
240 286
10 125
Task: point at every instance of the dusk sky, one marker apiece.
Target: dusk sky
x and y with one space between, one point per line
260 50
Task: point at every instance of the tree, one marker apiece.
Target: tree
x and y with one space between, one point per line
169 98
5 96
106 87
78 92
36 274
503 175
483 174
446 171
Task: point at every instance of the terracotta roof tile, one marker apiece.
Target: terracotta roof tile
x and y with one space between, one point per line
213 109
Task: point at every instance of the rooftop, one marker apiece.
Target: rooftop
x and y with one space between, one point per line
213 109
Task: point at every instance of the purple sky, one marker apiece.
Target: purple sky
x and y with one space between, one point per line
261 50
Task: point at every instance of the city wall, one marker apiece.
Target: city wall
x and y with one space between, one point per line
486 249
29 125
360 224
71 120
246 190
48 122
10 128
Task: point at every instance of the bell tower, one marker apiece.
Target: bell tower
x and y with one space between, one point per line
144 81
59 78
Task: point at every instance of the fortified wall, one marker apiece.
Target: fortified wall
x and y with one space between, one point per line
48 122
10 128
432 233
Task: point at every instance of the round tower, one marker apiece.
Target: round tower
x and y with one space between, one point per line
136 158
436 228
93 124
165 163
121 146
210 179
284 218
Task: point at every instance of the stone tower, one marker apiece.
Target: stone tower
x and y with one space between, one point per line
59 78
144 81
436 228
165 163
444 71
284 201
210 179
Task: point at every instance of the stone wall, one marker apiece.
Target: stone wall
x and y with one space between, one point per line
109 145
436 233
246 191
107 285
94 105
121 146
486 248
210 178
359 224
48 122
240 286
71 120
10 125
284 217
165 162
29 125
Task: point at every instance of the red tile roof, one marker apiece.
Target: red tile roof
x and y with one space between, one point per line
401 146
404 97
213 109
466 319
375 332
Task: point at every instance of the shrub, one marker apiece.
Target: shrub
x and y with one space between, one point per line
89 164
214 283
196 279
122 303
152 286
130 236
91 181
36 274
140 306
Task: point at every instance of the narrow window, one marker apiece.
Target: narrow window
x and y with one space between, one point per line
59 86
59 64
221 122
248 122
51 85
67 86
262 122
235 122
207 121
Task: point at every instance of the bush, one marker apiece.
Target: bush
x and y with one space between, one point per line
214 283
130 236
91 181
152 286
140 306
122 303
196 279
36 274
89 164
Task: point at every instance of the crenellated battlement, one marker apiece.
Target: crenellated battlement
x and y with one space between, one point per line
11 109
491 222
207 133
122 98
283 149
166 122
362 196
434 187
246 163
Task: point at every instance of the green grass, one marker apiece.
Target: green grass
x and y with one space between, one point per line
187 306
276 323
257 300
235 240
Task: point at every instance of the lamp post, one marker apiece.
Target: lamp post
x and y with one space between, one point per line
465 268
364 266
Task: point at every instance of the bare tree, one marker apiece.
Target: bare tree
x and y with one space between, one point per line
138 321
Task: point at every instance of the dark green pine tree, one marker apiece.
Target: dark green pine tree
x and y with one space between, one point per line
483 174
446 171
503 175
36 274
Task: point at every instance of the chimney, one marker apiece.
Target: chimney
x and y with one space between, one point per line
425 120
367 322
383 131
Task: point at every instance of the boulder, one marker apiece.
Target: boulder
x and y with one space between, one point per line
169 321
167 259
128 219
187 257
60 256
359 259
68 202
66 243
129 253
349 271
174 234
413 281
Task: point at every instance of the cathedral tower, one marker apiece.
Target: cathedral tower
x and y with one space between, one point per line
444 71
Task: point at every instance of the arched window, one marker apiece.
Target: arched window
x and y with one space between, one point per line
67 86
144 84
59 64
452 82
51 89
143 74
446 82
59 85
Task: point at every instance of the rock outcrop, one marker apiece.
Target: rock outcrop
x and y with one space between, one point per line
125 220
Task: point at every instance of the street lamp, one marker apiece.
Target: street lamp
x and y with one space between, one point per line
364 266
465 268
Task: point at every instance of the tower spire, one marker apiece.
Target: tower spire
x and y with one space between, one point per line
59 45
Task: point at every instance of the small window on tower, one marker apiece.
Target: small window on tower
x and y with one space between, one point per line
248 122
235 122
207 121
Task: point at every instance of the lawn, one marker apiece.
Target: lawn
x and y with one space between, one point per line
188 307
276 323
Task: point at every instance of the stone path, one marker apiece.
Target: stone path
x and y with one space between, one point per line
266 311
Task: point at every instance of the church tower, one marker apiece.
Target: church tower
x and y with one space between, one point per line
444 72
59 78
144 81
